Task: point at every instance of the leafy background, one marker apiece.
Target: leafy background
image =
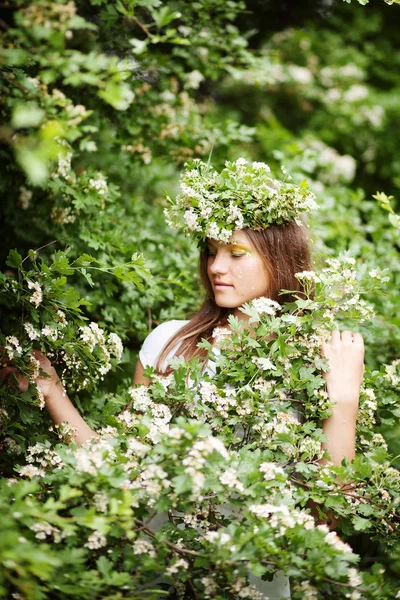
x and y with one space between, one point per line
101 104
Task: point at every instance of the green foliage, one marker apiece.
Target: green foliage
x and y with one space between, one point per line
101 104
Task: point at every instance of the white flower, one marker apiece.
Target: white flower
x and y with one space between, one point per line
31 471
354 577
100 502
241 161
13 346
271 470
191 219
334 540
308 276
50 332
37 295
193 79
64 164
99 184
114 345
181 563
96 540
300 74
212 231
32 333
356 93
264 305
260 166
143 547
309 592
229 478
25 196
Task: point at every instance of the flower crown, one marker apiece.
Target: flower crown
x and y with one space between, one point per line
212 205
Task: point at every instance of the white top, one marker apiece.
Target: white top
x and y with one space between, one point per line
156 342
153 345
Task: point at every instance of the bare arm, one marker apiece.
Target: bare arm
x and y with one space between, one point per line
58 404
138 378
345 353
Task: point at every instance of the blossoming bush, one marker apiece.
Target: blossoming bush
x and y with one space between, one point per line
101 106
194 488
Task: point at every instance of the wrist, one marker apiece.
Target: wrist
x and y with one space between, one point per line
344 412
54 392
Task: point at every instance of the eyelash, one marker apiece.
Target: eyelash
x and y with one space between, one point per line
213 255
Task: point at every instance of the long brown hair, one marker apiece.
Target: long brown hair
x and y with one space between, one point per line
285 251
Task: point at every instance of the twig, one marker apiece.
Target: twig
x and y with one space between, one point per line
14 83
173 547
142 27
45 246
192 588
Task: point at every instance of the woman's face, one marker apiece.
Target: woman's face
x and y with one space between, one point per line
236 271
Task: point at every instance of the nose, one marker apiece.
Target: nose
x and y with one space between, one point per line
219 264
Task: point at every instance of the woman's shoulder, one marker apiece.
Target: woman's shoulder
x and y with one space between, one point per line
157 339
167 328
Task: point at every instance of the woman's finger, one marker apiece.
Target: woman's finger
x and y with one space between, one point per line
347 337
335 338
358 339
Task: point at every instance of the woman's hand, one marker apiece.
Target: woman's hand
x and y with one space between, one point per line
45 384
345 354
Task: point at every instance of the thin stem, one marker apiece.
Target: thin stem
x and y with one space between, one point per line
45 246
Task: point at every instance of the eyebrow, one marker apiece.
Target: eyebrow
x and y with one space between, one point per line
233 243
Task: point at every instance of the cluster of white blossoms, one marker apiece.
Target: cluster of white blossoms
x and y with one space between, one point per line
64 164
308 276
31 471
309 591
392 373
141 546
159 413
197 457
210 395
44 456
13 347
100 501
280 423
99 184
332 538
96 540
92 335
212 205
33 334
368 407
282 517
25 197
92 455
271 470
37 295
44 530
175 567
151 482
220 336
12 446
109 346
242 589
230 479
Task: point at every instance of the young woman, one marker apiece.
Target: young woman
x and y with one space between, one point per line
258 252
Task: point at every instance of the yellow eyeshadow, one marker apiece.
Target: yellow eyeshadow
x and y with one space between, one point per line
234 248
240 248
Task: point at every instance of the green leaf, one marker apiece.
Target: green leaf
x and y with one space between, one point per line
14 259
27 115
361 524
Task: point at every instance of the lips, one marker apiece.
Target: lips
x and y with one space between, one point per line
222 284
